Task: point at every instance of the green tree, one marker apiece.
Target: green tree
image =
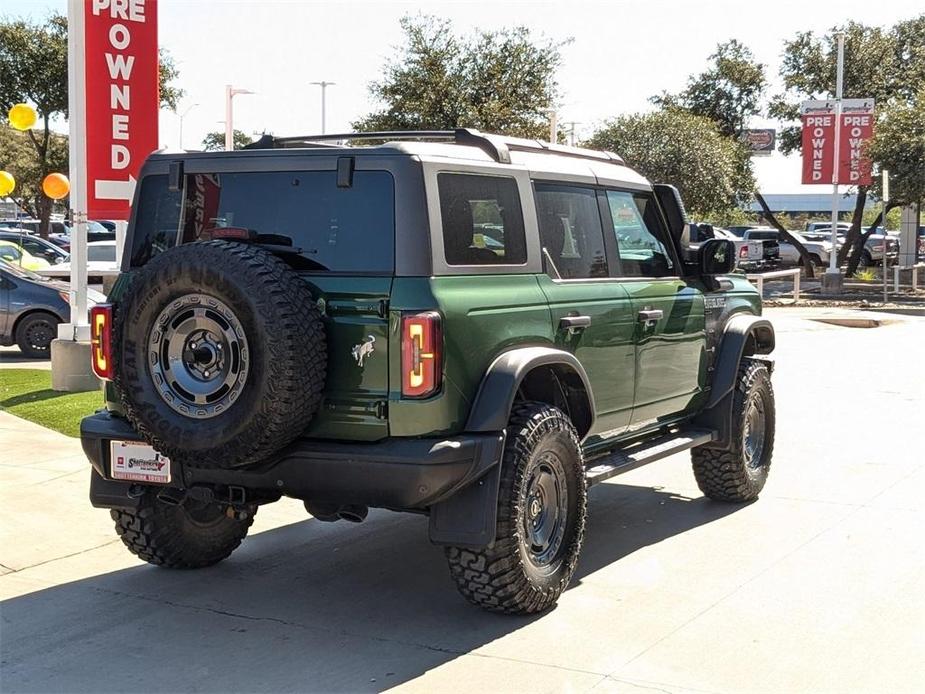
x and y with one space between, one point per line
501 81
215 142
713 172
887 64
33 69
729 92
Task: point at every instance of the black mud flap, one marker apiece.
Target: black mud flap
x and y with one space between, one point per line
469 517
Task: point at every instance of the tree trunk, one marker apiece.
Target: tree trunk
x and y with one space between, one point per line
790 238
862 241
854 233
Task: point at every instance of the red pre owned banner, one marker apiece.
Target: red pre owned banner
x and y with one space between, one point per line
857 129
121 100
818 147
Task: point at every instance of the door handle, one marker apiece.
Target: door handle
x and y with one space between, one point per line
649 315
574 324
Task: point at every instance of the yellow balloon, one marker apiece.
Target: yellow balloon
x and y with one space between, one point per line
7 183
23 116
56 186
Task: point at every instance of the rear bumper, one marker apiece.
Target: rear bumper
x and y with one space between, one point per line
394 473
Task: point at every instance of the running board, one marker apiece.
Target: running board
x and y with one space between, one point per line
642 453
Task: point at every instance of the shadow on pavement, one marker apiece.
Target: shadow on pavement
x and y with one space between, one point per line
308 606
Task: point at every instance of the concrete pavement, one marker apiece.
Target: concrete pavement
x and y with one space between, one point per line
817 586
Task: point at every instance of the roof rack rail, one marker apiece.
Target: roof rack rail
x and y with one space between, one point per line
498 147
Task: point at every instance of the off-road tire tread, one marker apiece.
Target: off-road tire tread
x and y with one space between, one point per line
722 475
152 533
494 578
297 352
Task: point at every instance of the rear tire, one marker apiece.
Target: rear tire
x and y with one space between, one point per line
740 474
192 535
542 507
35 333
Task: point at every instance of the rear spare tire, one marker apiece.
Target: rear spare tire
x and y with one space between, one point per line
219 354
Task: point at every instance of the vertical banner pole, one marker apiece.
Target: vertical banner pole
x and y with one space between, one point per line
833 257
77 328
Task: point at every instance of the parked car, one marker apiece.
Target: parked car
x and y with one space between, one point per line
770 247
31 307
62 230
819 251
13 253
36 245
873 247
475 328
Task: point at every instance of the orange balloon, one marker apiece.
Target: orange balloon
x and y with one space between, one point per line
56 186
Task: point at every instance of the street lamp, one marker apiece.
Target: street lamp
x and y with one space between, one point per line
324 86
182 116
230 94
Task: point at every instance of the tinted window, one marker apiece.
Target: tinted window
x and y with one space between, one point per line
570 230
639 235
333 229
157 219
762 235
483 222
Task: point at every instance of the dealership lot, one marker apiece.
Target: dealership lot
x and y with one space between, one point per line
816 586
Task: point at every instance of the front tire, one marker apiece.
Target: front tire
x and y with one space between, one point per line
542 507
739 474
192 535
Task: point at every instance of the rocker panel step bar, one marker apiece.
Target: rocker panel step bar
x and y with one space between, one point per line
645 452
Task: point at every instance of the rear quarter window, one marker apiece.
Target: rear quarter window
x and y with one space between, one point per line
483 222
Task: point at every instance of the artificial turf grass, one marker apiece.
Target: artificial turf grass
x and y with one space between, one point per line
27 393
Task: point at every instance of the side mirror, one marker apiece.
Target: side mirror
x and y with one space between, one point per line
717 257
58 260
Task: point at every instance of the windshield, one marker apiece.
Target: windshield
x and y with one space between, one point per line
328 228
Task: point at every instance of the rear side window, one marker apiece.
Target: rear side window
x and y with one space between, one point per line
157 219
483 222
328 228
570 230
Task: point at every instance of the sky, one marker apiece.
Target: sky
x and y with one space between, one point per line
621 53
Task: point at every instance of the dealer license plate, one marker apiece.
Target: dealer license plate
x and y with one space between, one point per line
138 462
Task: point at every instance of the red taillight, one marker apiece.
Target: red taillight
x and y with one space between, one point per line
101 340
421 345
743 252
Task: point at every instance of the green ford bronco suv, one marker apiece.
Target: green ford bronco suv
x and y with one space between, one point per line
468 326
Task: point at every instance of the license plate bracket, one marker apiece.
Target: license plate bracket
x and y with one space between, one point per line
136 461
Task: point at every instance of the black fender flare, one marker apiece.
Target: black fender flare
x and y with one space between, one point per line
491 408
744 335
468 518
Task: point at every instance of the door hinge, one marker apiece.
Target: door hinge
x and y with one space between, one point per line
383 311
381 409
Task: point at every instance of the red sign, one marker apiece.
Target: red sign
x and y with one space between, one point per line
857 129
121 100
818 147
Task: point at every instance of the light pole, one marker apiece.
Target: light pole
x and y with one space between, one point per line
230 94
182 116
324 85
